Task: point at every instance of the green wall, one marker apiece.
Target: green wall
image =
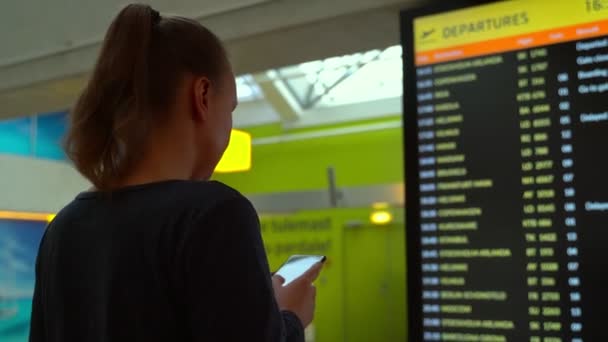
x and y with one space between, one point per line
359 159
361 293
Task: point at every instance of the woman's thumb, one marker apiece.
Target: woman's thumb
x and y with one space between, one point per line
277 280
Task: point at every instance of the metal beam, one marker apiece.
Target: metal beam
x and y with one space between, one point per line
351 197
352 69
332 132
277 94
376 109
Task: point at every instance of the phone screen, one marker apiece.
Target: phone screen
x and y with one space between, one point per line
296 265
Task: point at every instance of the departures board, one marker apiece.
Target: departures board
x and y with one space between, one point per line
506 131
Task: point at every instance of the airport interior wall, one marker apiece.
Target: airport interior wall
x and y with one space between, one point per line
366 158
361 293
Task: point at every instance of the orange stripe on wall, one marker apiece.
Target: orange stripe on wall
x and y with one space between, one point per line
526 41
26 216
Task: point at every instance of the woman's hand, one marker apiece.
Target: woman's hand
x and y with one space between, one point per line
299 296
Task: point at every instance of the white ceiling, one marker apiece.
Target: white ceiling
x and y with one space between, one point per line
49 46
35 29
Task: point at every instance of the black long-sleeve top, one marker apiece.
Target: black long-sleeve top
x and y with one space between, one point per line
169 261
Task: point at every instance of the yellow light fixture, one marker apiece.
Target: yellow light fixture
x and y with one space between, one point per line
381 217
237 157
26 216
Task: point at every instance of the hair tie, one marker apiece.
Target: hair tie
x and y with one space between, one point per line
155 17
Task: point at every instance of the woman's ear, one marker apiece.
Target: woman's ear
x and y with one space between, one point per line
201 89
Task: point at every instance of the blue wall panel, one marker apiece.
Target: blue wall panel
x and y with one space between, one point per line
15 136
19 241
38 136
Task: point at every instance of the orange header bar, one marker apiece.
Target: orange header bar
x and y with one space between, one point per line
526 41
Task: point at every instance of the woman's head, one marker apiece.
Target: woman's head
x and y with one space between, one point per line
155 77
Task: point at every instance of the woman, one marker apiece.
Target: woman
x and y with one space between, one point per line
153 253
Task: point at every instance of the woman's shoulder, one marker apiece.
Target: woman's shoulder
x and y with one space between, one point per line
168 198
210 195
207 191
214 204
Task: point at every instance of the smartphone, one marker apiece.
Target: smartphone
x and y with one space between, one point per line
297 265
